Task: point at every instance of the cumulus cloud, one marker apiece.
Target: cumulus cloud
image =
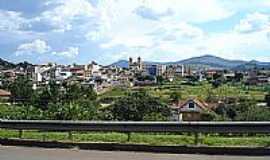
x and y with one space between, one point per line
148 13
130 23
154 29
187 10
43 49
170 39
65 13
177 32
268 35
253 22
37 46
12 21
71 52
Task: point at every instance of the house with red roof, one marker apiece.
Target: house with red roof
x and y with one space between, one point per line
4 95
190 109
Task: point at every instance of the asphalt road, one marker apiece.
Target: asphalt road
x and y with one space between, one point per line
24 153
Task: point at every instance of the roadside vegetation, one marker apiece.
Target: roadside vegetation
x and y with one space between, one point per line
149 103
142 138
73 101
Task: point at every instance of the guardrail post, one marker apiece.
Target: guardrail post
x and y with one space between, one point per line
20 134
44 135
129 136
70 136
196 138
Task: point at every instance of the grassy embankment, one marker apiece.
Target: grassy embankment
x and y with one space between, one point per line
164 91
143 138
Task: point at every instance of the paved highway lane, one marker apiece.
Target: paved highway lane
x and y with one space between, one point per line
24 153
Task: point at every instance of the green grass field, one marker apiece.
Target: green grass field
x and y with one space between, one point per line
199 90
142 138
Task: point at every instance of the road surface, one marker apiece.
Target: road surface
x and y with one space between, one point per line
24 153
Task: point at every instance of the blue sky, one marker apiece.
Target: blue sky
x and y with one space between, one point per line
68 31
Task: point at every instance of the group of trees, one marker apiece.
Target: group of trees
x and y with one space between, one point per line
77 102
246 110
138 106
267 99
53 101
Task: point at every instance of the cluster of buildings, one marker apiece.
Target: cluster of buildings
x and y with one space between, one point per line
102 77
168 71
138 73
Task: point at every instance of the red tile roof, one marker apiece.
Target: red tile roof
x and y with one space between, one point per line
200 103
4 93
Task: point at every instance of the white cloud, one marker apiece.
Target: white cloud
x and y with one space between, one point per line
253 22
148 13
71 52
119 24
236 45
154 29
268 35
11 21
189 10
65 12
180 32
37 46
170 43
160 30
229 45
41 47
243 6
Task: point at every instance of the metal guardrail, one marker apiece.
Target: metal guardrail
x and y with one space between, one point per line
189 127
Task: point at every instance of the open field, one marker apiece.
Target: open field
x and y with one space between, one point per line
200 90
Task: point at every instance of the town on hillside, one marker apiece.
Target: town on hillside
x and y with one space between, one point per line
139 91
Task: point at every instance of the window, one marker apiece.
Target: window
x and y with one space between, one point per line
191 105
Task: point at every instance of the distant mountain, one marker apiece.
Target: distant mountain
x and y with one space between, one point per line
6 65
24 65
120 63
206 61
211 62
124 63
252 65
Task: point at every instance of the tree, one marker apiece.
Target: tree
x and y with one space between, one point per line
254 113
238 76
145 78
216 83
217 76
267 99
81 110
175 96
73 92
12 112
210 96
160 80
21 90
244 111
138 106
89 93
76 91
208 116
49 94
4 82
77 103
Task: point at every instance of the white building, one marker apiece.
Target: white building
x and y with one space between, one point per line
62 74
